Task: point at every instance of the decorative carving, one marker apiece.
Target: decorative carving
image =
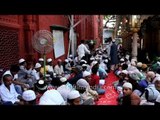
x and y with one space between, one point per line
9 47
9 19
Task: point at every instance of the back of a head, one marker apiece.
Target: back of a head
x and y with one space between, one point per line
151 93
82 83
86 73
124 66
82 41
51 97
95 69
73 95
151 74
29 95
41 86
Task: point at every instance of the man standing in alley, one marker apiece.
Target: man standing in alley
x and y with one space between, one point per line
113 55
82 50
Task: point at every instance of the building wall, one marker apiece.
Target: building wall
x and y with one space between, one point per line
91 28
17 32
10 40
45 21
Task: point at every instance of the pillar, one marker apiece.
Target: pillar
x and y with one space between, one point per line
134 45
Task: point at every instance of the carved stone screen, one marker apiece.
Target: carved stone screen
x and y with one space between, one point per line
8 47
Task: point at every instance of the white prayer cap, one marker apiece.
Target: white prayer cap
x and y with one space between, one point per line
101 81
70 56
122 60
64 90
86 73
94 62
63 79
41 59
92 58
41 85
49 60
38 65
73 95
47 75
83 61
139 64
54 74
82 83
113 40
127 85
125 72
66 60
51 97
21 60
29 95
106 60
84 65
119 72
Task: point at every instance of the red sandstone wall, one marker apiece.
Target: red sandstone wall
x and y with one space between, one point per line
23 28
45 21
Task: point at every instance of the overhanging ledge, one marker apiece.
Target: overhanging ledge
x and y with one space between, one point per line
59 27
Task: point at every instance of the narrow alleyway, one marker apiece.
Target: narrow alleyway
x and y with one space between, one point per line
109 98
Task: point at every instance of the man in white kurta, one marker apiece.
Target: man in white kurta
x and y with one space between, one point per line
7 90
59 68
81 50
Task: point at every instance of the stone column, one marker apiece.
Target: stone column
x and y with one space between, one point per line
135 37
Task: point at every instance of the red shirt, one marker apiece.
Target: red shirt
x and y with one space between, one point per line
94 80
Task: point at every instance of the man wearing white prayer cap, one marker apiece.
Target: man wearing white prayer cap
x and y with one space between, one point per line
129 97
74 98
87 76
65 88
127 85
49 60
63 79
21 60
49 67
86 73
36 72
38 65
86 92
82 83
40 59
22 65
